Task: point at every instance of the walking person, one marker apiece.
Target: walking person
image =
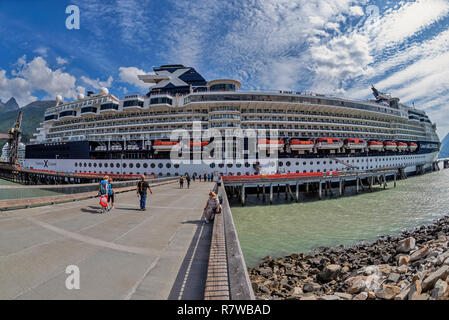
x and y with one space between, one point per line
142 188
199 177
181 182
188 181
111 194
205 177
103 193
212 204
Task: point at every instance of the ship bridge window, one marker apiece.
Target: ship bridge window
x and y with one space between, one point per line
133 103
223 87
109 106
161 100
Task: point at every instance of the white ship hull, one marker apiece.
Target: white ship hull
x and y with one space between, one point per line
165 168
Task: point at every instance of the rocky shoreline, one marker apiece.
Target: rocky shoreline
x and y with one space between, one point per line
412 266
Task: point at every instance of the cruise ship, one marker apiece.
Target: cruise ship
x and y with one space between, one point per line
173 130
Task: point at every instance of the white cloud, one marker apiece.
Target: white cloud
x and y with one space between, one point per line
43 51
400 24
61 61
36 76
129 75
97 83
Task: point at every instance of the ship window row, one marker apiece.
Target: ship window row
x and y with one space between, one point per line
290 99
221 165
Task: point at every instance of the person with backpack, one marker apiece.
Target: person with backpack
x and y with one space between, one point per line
188 181
142 188
103 193
181 182
111 193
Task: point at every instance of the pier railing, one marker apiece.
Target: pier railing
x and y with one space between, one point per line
227 277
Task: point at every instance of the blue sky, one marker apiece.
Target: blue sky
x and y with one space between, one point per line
338 47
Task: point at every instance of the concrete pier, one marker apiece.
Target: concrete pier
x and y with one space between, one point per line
161 253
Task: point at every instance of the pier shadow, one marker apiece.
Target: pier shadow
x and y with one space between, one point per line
191 279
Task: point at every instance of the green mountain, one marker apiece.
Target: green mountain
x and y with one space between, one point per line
33 115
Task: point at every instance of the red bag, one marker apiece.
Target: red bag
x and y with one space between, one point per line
104 201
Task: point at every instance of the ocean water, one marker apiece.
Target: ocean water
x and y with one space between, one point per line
286 228
22 193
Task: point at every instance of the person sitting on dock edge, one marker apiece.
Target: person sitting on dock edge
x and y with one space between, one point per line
212 204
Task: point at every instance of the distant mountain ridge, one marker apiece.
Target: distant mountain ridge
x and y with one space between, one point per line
33 115
444 153
11 105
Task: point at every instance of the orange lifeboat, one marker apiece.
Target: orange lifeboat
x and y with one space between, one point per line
375 145
412 146
391 146
264 144
196 143
329 143
159 145
302 145
402 146
355 144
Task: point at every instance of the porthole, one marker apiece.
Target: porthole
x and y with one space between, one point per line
131 165
85 164
176 166
247 165
281 164
221 165
138 165
304 163
105 165
168 174
100 165
212 165
90 165
238 165
145 165
229 165
95 164
168 165
76 164
288 164
124 165
311 162
239 174
160 165
153 166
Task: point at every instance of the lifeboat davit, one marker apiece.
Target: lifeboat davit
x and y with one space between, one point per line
402 146
355 144
302 145
391 146
165 145
412 146
264 144
329 143
375 145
